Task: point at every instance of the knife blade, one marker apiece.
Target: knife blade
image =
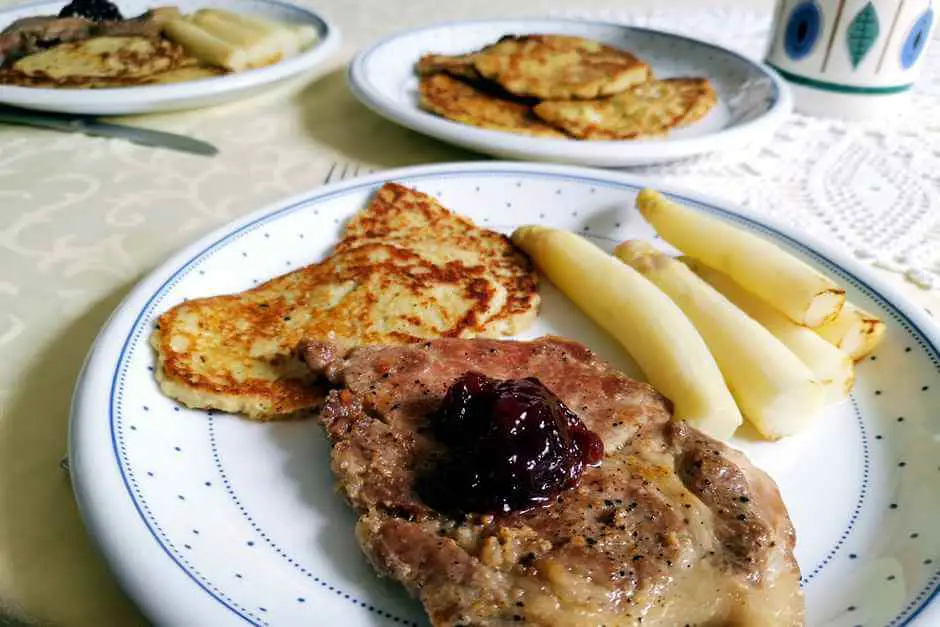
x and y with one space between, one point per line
95 127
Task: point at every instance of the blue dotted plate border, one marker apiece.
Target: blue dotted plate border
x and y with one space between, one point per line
144 319
295 564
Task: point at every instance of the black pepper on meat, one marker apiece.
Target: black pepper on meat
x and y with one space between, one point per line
470 569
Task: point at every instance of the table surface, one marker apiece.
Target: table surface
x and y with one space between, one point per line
77 233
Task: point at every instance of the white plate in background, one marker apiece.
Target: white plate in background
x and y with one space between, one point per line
752 99
184 95
215 520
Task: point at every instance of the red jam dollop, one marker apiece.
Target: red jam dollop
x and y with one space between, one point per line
511 445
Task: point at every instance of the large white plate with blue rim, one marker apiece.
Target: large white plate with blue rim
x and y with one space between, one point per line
186 95
213 520
752 99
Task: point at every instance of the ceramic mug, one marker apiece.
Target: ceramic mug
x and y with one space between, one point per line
853 59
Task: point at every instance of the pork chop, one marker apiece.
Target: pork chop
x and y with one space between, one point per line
31 35
671 528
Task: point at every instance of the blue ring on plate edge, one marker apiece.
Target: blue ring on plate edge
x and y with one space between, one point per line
907 614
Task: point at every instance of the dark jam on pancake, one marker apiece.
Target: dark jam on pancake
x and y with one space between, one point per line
512 445
94 10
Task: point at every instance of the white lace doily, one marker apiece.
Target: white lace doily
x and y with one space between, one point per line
873 187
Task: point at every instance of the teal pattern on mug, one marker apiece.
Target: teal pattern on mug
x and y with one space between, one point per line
869 49
862 34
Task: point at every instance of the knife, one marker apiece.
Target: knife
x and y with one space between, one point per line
95 127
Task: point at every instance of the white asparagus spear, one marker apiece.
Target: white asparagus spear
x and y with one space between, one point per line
306 35
234 33
774 389
290 39
206 47
261 49
650 327
855 331
831 367
804 295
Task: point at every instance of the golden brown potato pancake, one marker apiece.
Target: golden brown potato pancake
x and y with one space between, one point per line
460 66
647 110
406 270
456 100
558 67
106 62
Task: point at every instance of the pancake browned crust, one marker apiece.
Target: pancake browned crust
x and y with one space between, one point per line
407 270
460 66
558 67
102 62
647 110
456 100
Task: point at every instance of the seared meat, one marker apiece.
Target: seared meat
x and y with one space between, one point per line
672 528
34 34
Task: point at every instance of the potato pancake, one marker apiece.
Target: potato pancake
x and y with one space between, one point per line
558 67
460 66
456 100
648 110
102 62
406 270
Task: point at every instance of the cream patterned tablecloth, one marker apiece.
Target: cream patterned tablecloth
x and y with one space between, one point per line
81 220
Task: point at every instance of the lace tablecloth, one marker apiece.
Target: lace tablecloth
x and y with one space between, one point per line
81 220
874 188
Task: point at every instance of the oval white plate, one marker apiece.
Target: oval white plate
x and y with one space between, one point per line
752 99
187 95
214 520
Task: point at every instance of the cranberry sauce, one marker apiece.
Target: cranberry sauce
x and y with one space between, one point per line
511 445
94 10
